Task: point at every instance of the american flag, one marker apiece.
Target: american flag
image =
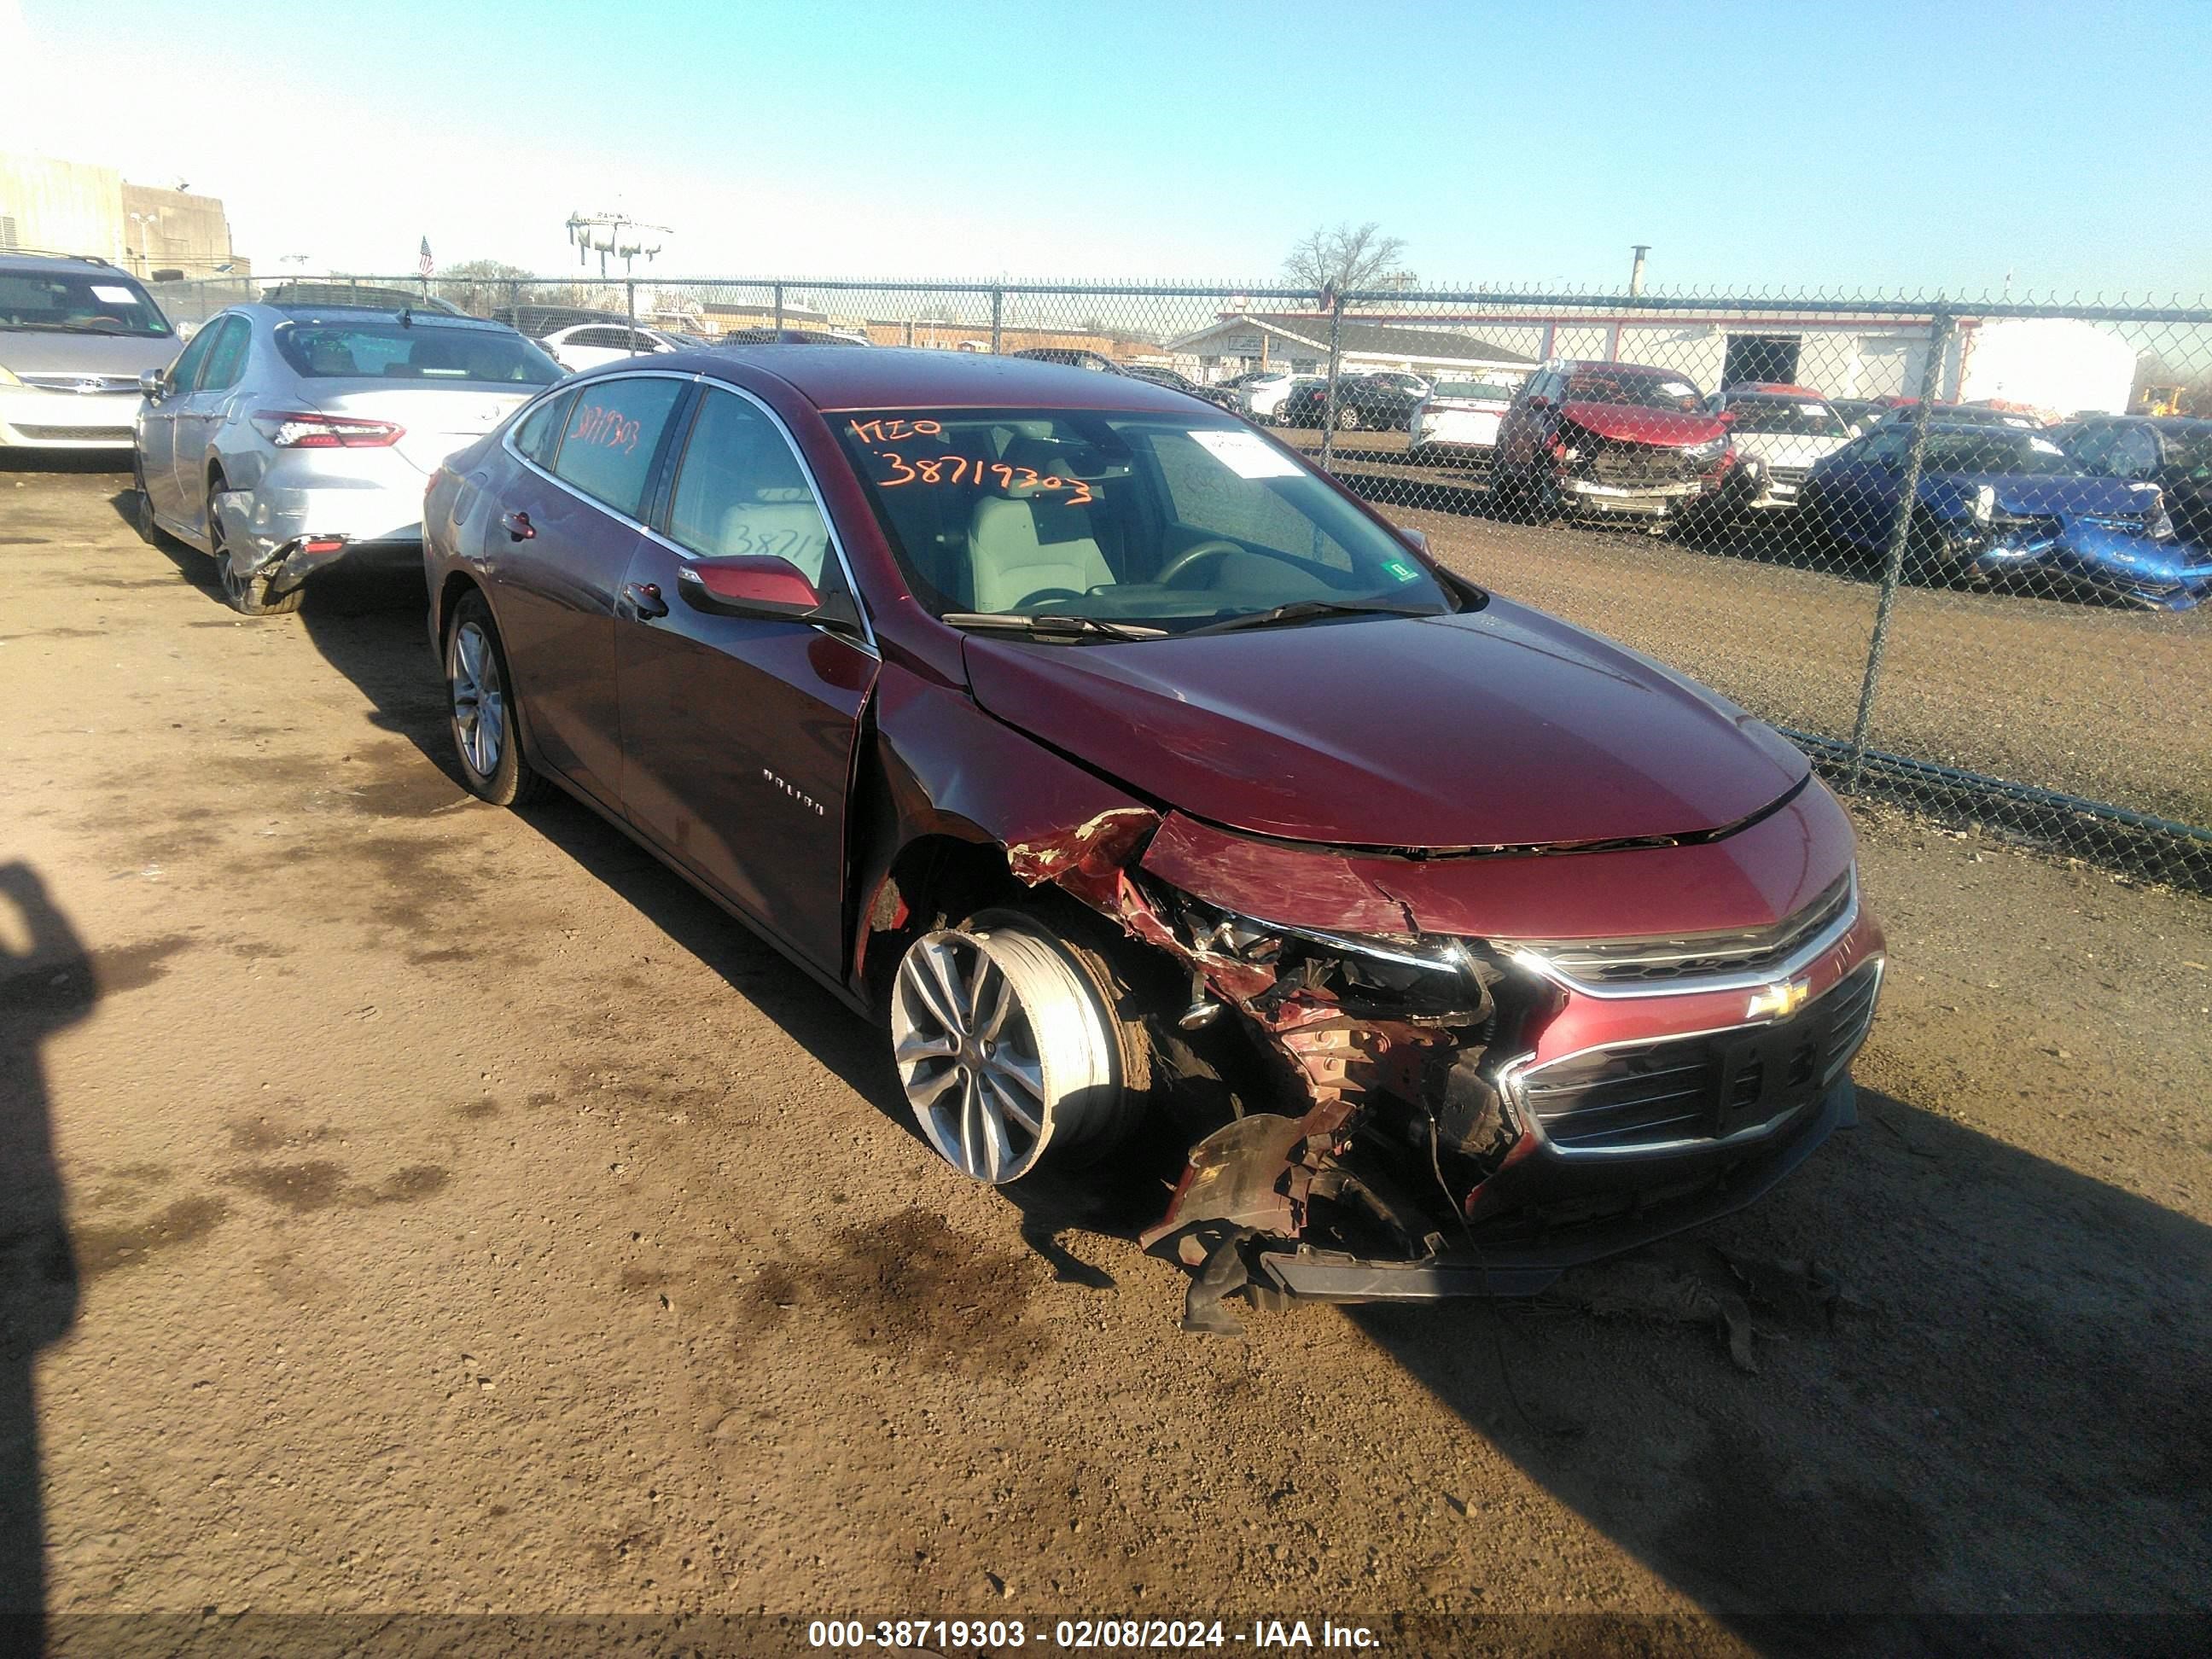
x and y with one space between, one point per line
424 264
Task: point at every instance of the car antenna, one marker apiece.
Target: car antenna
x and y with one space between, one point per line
407 316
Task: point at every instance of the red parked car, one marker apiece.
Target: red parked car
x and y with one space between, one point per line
1597 438
1125 770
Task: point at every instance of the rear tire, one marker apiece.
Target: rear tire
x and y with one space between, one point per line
249 596
481 710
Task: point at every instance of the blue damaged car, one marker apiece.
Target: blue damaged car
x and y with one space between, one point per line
2000 506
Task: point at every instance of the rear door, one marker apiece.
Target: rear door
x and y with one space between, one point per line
199 412
557 553
738 731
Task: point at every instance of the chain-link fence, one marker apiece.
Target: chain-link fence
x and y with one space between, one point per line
1952 549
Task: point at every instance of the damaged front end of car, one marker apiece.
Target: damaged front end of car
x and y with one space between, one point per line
1412 1110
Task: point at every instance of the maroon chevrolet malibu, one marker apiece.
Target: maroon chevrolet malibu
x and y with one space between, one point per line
1128 773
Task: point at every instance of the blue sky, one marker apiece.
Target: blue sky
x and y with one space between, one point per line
1872 147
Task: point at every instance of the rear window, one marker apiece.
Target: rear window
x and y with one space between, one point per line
394 351
87 302
1797 418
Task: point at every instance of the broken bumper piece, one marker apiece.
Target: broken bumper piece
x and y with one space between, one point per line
1237 1216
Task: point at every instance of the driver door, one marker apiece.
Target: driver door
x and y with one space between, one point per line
738 731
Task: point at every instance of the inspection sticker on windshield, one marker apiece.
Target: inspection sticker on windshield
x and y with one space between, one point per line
1400 570
1247 454
112 294
1816 411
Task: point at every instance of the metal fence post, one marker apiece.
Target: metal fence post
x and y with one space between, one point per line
629 309
1940 324
1334 302
778 311
998 317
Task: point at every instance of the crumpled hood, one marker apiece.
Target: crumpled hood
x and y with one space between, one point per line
57 352
2034 496
1494 727
1626 423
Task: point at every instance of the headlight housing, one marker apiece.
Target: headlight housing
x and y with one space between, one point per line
8 376
1985 504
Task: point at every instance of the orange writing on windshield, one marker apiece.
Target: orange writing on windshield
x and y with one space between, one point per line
885 430
956 469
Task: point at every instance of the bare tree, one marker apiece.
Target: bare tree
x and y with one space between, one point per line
1347 257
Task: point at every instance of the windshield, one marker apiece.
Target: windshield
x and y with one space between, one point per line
1797 418
1638 391
435 351
87 302
1473 389
1164 521
1994 453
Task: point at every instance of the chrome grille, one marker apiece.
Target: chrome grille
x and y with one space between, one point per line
1620 966
63 382
1636 1096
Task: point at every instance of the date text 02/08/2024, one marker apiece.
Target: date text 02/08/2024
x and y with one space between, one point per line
1260 1635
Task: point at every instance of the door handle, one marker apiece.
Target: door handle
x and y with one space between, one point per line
642 600
518 526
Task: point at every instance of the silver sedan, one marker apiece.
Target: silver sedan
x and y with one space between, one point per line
286 438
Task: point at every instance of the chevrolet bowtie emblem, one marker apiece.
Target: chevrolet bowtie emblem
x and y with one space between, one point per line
1779 1001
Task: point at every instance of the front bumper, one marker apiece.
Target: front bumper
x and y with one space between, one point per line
34 418
1631 501
2161 573
1524 1266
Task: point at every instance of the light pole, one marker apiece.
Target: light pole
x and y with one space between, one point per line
145 254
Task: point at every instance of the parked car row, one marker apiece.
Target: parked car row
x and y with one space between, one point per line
1053 718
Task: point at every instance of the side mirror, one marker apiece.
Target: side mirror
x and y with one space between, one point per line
758 585
1418 538
1540 402
152 385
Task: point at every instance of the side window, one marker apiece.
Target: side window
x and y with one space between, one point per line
540 434
741 490
2092 449
1885 448
614 428
2134 452
186 368
595 337
226 362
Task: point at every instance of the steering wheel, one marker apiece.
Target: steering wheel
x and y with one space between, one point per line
1213 547
1029 599
1216 547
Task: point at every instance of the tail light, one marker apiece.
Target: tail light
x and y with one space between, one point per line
288 429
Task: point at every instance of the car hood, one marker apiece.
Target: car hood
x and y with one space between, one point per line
1629 424
56 351
1494 727
2040 495
1786 448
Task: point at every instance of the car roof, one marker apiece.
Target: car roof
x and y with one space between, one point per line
79 264
314 313
896 377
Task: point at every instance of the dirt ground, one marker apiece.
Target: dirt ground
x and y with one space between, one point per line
414 1207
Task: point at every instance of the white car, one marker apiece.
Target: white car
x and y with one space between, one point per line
586 345
1458 415
1261 399
1779 433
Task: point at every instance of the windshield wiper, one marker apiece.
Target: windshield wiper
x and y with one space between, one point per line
1048 624
1298 610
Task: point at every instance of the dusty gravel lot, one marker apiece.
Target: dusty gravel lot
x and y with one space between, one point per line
414 1207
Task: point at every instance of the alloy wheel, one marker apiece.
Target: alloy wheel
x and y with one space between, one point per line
1002 1049
478 696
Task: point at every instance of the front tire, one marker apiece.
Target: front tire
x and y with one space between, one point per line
481 710
1008 1049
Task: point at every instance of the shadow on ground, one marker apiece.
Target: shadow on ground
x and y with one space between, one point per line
47 983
